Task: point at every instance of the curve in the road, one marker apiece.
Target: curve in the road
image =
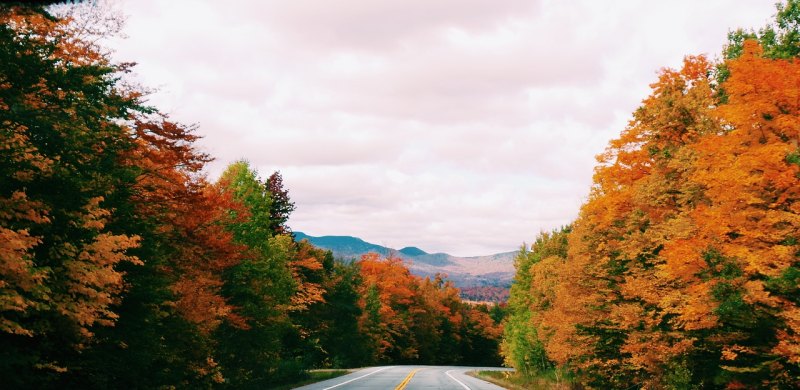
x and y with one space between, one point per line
454 378
355 379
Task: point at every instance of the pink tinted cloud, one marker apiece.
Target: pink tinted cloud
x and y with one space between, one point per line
459 126
373 25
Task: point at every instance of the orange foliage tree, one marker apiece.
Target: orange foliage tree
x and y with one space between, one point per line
107 217
120 263
411 319
60 143
682 268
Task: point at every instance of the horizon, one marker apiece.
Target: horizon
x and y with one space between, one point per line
404 246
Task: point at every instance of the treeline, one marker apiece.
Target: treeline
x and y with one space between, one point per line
416 320
485 294
682 268
122 266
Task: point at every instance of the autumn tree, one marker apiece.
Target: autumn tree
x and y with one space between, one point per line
61 145
681 267
481 337
124 247
409 319
532 295
278 287
174 300
747 226
335 337
121 264
393 286
261 285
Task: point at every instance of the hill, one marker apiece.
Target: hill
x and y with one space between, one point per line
467 273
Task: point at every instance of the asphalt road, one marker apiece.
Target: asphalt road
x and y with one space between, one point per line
408 378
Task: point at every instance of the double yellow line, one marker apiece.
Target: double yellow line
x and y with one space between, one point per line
403 384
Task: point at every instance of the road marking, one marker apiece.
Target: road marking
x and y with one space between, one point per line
454 378
355 379
403 384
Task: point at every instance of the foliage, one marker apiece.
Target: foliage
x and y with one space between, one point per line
260 285
485 294
550 379
681 270
61 143
281 207
413 320
532 293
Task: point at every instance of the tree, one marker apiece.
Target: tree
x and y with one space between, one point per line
681 269
110 270
532 294
341 343
261 285
60 130
281 207
780 40
746 227
412 320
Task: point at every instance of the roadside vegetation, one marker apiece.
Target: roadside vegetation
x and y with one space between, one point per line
122 264
515 381
683 267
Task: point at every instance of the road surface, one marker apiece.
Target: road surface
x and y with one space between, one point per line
408 378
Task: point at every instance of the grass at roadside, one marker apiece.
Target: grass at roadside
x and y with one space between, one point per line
313 377
514 381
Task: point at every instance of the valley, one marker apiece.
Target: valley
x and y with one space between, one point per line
480 278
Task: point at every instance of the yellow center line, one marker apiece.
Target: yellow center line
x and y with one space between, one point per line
403 384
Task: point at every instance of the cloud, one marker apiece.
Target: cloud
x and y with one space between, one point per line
373 25
458 126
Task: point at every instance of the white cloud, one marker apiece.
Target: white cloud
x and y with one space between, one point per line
458 126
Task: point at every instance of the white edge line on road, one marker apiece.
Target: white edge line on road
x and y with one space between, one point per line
355 379
454 378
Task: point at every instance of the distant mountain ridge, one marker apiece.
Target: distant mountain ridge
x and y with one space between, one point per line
412 251
343 246
477 271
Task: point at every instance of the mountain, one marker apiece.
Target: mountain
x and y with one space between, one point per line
465 272
343 246
412 251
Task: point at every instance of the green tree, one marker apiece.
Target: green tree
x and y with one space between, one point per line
341 344
779 40
281 206
260 286
531 296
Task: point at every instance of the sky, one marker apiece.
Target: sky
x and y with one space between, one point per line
457 126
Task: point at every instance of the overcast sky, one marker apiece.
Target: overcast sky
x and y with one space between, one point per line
462 126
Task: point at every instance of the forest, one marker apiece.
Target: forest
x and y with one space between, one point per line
682 268
122 264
